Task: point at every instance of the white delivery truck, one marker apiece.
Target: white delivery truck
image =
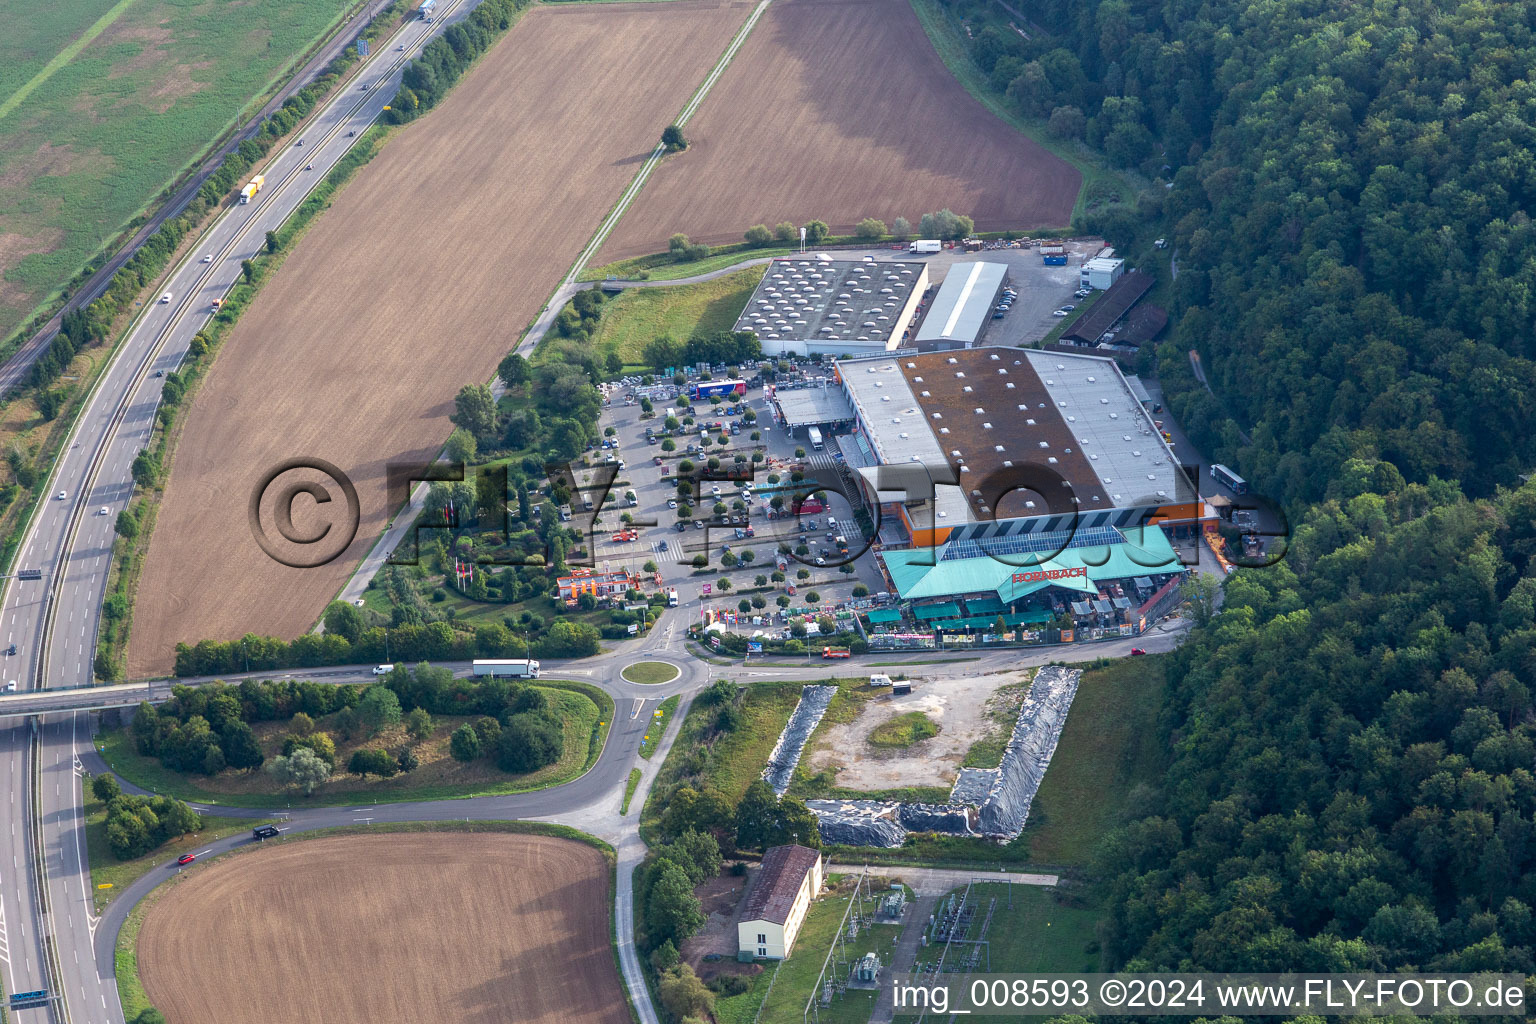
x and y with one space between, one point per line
511 668
815 438
926 245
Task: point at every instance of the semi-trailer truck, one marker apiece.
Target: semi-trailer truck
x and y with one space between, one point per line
926 245
512 668
710 388
249 192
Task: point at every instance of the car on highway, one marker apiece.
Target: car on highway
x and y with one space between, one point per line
61 496
400 48
11 649
299 143
1137 650
186 858
309 167
383 670
351 134
208 258
164 299
10 687
102 511
265 832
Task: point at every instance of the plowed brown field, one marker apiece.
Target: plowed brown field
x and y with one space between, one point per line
437 929
840 110
417 281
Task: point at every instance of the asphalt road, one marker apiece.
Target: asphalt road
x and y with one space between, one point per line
70 541
16 368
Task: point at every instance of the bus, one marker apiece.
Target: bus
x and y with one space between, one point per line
512 668
815 436
1224 476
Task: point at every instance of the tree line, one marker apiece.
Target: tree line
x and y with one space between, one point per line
427 79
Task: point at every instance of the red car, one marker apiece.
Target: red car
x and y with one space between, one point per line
1137 650
186 858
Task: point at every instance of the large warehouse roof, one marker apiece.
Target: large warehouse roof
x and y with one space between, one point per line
964 303
988 410
830 300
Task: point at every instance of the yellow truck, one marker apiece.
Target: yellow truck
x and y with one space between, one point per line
250 190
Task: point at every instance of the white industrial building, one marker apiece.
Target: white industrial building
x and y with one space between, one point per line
1102 271
821 306
788 880
963 306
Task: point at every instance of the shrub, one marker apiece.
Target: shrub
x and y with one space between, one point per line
758 234
530 741
871 227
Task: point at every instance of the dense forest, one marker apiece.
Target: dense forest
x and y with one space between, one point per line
1346 191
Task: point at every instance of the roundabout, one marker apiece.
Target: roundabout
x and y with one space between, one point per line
650 673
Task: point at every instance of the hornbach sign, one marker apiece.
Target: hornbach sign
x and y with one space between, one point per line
1049 574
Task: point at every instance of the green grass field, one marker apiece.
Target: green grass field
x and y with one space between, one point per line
90 134
1108 748
586 711
1032 930
660 719
903 730
649 672
640 314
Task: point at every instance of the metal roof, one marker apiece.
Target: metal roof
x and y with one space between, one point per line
778 883
1117 299
813 406
918 574
964 303
828 301
1112 428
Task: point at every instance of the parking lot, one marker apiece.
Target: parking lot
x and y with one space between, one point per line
657 539
1041 289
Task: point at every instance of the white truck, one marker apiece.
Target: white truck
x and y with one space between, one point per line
510 668
672 598
926 245
815 438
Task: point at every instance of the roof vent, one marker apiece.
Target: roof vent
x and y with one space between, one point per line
967 390
979 410
996 356
986 426
1052 461
1028 422
938 415
953 360
997 447
1029 504
1009 385
1044 444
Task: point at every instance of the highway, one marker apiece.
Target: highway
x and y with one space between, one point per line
53 621
15 369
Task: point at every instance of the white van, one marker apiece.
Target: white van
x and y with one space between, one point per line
383 670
